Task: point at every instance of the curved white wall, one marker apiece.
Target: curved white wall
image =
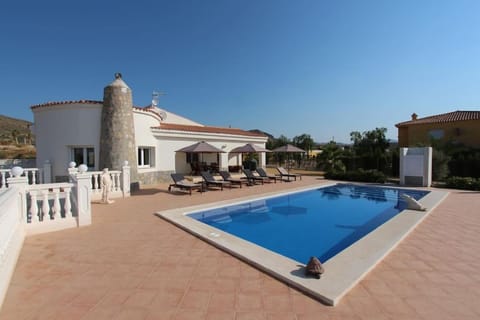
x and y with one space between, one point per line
143 121
59 127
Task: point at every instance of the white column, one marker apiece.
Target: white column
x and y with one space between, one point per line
223 165
83 195
403 153
262 159
428 166
21 184
126 180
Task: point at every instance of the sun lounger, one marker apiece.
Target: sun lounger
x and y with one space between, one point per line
262 173
210 181
252 179
234 181
285 174
183 184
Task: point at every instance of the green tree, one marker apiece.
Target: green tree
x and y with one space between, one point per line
371 148
329 159
304 142
281 141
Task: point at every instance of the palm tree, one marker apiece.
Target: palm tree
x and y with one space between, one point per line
329 160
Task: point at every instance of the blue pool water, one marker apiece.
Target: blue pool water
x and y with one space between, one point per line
320 222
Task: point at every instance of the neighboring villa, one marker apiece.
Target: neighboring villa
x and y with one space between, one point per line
102 134
461 127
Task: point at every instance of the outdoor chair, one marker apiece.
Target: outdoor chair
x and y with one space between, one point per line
285 174
210 181
252 179
262 173
234 181
183 184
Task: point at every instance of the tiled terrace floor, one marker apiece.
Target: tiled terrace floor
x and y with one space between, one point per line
131 264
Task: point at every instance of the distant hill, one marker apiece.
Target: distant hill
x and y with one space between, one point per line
14 131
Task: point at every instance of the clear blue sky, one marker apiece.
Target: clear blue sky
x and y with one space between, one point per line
324 68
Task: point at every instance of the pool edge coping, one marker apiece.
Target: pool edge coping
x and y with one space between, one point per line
339 277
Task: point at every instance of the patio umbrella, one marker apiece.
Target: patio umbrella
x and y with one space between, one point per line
201 148
249 148
288 148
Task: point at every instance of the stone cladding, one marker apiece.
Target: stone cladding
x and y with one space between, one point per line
117 137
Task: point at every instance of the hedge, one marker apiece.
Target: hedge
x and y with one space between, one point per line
358 175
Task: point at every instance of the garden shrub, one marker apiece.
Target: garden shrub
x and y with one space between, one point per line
464 183
359 175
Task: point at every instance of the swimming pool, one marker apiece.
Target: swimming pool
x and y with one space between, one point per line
319 222
344 269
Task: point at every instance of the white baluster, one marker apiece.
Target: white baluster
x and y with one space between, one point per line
95 182
33 207
45 206
112 178
117 181
56 204
68 204
3 179
34 176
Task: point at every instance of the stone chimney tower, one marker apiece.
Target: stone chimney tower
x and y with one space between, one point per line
117 136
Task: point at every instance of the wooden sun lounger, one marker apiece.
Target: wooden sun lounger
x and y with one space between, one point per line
210 181
253 178
183 184
285 174
234 181
264 174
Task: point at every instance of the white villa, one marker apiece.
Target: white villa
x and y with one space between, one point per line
71 131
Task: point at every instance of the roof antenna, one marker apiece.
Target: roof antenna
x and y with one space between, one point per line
156 97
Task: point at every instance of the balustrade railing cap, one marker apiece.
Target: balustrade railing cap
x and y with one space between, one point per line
50 186
17 171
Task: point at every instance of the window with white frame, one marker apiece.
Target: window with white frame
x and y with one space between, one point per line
83 155
145 157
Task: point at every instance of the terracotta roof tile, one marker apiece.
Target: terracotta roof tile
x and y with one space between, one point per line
208 129
54 103
443 118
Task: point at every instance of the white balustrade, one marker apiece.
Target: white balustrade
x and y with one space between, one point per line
33 174
46 202
116 189
120 186
32 209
